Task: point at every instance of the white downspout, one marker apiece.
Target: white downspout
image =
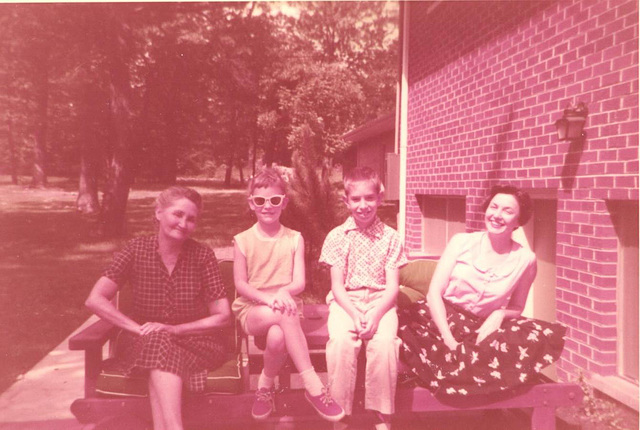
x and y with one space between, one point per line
402 133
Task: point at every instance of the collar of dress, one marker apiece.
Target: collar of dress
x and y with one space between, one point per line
156 245
375 229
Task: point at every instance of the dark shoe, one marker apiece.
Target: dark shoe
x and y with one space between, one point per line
264 404
325 406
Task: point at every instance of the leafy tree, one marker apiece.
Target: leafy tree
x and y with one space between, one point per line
28 85
328 101
313 210
88 86
112 93
9 100
363 36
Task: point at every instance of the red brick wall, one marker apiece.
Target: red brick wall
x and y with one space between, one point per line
487 81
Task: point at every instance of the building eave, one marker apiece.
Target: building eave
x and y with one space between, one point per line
376 127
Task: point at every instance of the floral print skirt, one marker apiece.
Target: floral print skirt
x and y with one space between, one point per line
512 355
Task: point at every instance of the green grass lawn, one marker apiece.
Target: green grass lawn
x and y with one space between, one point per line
50 256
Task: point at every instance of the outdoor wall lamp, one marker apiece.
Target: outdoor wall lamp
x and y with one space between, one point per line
571 125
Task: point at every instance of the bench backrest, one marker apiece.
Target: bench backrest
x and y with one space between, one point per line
414 279
233 332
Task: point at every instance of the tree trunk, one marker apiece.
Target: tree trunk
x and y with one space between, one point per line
13 158
167 173
88 201
227 173
254 137
41 82
116 193
231 159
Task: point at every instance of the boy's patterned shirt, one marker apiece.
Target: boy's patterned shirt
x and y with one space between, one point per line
363 254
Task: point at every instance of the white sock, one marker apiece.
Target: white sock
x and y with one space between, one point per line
385 422
265 381
311 381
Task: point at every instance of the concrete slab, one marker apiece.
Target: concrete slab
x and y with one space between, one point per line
41 398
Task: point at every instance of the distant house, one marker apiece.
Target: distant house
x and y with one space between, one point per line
483 84
373 145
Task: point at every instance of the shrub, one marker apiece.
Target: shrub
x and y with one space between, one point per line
314 209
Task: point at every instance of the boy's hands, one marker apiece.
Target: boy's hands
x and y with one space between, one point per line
359 322
369 326
283 302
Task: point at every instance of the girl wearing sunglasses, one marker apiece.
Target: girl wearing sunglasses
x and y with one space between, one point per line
269 274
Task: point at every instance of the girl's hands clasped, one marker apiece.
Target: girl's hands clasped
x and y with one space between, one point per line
283 302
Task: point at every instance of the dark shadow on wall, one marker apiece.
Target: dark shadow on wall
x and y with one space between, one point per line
499 149
571 163
453 29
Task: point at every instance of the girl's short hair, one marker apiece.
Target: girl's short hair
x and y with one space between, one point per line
358 174
522 197
268 177
171 194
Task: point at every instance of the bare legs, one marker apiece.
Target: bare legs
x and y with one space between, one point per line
284 334
275 354
165 395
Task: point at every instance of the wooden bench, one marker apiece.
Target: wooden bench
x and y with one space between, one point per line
218 410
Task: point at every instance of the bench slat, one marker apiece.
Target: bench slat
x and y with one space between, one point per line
542 395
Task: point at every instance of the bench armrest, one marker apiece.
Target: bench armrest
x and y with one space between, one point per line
94 336
91 340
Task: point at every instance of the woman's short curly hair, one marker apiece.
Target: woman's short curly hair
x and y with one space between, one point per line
522 197
171 194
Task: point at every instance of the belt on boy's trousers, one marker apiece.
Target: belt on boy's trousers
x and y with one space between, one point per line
362 298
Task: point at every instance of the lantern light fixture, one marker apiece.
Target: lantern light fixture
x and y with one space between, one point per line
571 125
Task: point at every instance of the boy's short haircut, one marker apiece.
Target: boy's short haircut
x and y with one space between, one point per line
268 177
358 174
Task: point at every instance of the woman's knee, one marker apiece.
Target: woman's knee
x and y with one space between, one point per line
163 379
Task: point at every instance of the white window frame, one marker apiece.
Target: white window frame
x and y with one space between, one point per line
442 217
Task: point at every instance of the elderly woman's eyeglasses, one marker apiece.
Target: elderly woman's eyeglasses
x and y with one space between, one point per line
273 200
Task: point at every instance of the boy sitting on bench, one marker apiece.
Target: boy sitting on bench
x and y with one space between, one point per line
364 255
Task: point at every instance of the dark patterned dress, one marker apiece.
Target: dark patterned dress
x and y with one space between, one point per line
512 355
180 297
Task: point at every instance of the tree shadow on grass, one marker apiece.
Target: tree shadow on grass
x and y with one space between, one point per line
44 279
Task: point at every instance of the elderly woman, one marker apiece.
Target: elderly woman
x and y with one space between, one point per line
178 303
468 337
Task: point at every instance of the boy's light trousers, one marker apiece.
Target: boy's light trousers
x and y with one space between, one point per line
381 350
